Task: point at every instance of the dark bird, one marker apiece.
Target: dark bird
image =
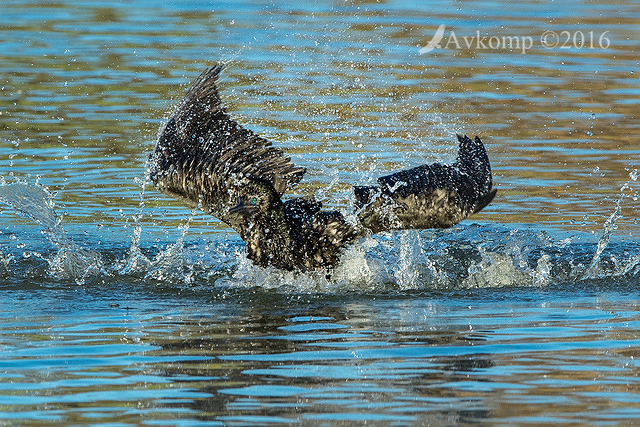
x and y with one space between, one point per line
206 159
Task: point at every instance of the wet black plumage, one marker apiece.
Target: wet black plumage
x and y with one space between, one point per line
429 196
206 159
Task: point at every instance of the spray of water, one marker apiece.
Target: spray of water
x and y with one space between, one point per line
610 224
137 263
36 202
460 258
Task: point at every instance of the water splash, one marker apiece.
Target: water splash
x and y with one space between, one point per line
412 260
415 266
464 257
137 263
76 262
4 262
36 202
593 270
170 265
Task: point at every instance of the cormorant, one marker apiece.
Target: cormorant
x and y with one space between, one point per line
206 159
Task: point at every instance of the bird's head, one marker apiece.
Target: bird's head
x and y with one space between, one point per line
255 197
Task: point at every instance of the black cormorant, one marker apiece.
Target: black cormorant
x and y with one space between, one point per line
206 159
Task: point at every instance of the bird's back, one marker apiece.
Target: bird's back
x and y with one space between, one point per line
319 236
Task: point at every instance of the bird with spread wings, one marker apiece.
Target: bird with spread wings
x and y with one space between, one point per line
208 160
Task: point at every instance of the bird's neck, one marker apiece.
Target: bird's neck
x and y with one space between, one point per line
269 240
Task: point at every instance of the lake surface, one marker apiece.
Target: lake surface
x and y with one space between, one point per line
119 305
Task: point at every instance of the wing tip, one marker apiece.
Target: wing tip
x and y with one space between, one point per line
212 71
467 143
484 201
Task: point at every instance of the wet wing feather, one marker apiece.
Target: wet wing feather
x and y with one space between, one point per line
201 151
429 196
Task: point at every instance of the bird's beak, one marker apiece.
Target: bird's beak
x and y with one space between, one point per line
241 208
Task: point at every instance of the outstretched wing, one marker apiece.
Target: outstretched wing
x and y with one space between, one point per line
202 153
429 196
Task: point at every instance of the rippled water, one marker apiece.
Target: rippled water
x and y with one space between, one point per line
119 305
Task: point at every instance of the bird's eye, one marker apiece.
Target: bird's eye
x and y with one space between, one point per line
254 200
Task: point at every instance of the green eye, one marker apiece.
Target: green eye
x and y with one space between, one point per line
254 200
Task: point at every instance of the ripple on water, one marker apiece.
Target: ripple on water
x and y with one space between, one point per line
116 308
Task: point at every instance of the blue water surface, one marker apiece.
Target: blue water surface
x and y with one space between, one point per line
119 305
